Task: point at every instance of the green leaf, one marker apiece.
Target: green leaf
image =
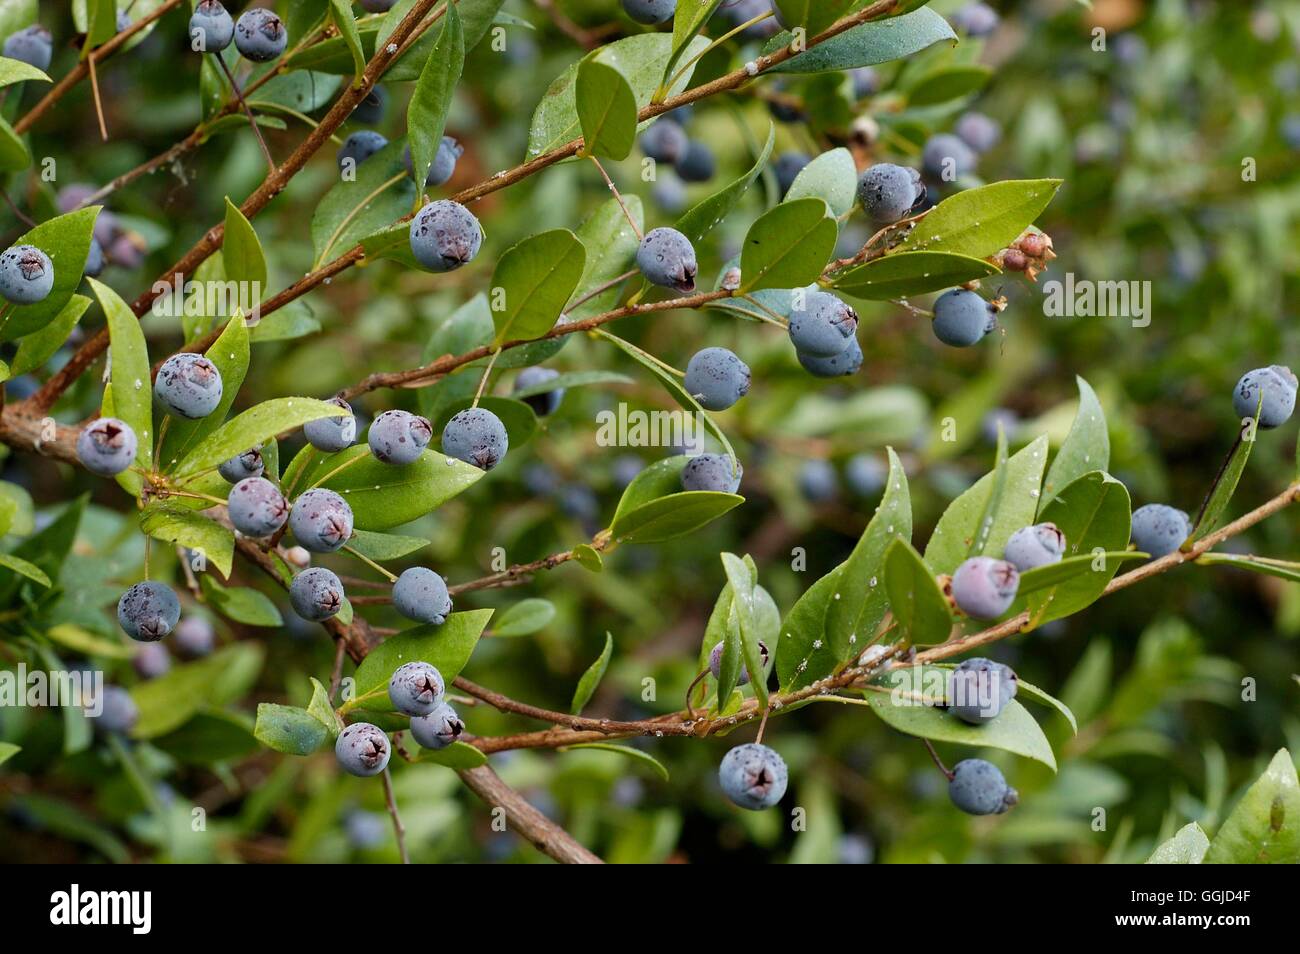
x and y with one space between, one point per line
635 754
723 627
39 346
174 524
919 606
24 568
959 527
659 479
689 17
1225 484
591 678
101 24
949 83
382 192
458 755
172 699
16 71
607 110
382 547
8 750
230 354
525 617
66 240
322 710
914 705
700 219
241 251
1054 574
1282 569
743 604
588 557
1264 828
1038 695
813 15
14 154
289 729
48 548
446 647
1086 448
611 245
831 177
16 15
673 516
532 283
910 273
341 16
1187 847
130 389
788 246
241 603
980 222
302 90
253 428
426 116
87 643
210 738
870 44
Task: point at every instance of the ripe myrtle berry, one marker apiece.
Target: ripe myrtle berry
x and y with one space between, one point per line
696 163
650 11
321 520
439 729
421 594
33 46
1008 420
947 158
817 481
370 110
399 437
865 474
977 19
753 776
961 318
1278 385
664 141
1159 529
476 436
188 385
716 378
787 167
984 588
978 131
94 259
822 326
548 402
242 466
669 194
445 235
666 257
979 690
316 594
332 433
977 787
359 147
195 637
888 192
211 27
717 472
151 660
365 830
416 688
26 274
127 251
443 166
715 662
148 611
257 508
848 361
1035 546
106 446
866 82
260 35
362 749
118 712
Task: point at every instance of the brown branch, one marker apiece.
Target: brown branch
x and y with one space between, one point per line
540 831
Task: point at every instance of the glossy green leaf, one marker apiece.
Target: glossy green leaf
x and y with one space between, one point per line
979 222
831 177
170 700
24 568
1225 484
949 83
788 246
14 154
802 654
1282 569
16 71
688 18
1054 574
1187 847
918 604
673 516
351 210
426 115
607 110
289 729
813 16
635 755
591 678
524 618
382 547
182 525
910 273
589 558
458 755
39 346
532 283
241 251
8 750
1264 827
1085 448
446 647
241 603
1030 691
743 604
66 240
700 219
253 428
130 388
342 18
870 44
611 245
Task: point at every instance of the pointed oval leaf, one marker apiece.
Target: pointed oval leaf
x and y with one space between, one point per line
831 177
532 283
586 687
426 114
1086 447
447 648
788 246
979 222
606 110
911 273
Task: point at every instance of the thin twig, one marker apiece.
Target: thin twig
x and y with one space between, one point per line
398 829
252 120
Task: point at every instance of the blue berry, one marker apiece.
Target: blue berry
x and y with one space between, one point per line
359 147
1031 547
979 690
650 11
94 259
188 385
316 594
947 158
977 787
1159 529
664 141
151 660
1278 385
716 378
865 474
363 749
715 662
118 712
365 830
148 611
439 729
195 637
823 325
399 437
245 465
33 46
332 433
421 594
444 162
669 194
817 481
626 468
962 318
977 19
260 35
667 258
211 27
753 776
848 361
696 163
321 520
416 688
787 167
984 588
26 274
106 446
888 192
548 402
999 416
716 472
476 436
370 111
445 235
256 507
866 82
978 131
